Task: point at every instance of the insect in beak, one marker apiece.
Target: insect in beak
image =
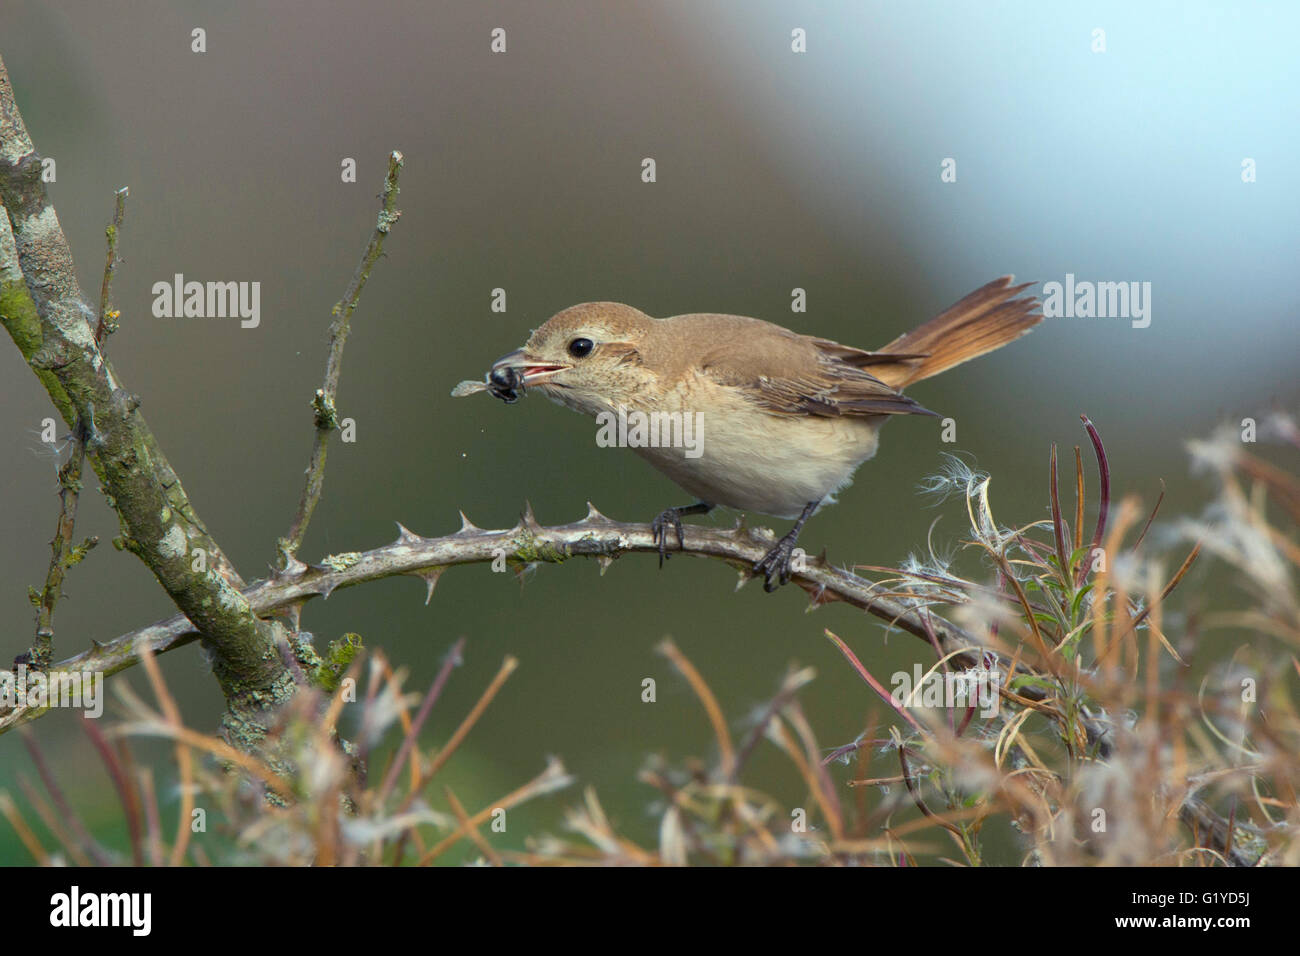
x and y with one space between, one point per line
512 374
506 382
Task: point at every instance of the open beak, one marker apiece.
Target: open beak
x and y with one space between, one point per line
533 372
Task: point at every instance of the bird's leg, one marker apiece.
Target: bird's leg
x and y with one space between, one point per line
672 517
776 563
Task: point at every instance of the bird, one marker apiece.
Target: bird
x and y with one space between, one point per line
782 420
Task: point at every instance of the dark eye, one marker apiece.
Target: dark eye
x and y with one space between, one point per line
579 348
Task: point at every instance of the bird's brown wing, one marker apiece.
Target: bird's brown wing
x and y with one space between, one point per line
790 374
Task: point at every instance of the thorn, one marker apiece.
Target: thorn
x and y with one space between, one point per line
529 520
745 576
819 595
594 516
820 560
604 561
467 526
326 587
405 536
430 576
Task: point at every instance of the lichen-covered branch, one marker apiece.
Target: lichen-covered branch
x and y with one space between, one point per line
42 307
64 554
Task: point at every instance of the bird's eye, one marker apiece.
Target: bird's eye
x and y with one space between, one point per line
580 348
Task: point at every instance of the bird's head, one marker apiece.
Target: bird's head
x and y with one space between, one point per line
588 357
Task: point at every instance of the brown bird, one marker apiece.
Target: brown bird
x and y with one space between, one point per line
757 417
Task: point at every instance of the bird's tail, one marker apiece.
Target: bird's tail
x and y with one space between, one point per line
985 320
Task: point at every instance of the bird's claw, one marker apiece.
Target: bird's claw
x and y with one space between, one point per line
669 517
776 565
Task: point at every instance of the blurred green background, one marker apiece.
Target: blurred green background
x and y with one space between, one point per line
775 171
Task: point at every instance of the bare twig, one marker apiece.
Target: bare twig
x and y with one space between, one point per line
63 555
107 317
53 822
126 789
453 658
327 395
67 814
874 684
10 812
507 668
468 826
726 753
553 778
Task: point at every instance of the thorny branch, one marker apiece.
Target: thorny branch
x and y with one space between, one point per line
527 543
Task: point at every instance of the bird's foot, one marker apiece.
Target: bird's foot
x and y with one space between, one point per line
672 518
778 564
669 518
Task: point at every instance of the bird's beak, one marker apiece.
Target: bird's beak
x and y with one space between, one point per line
533 371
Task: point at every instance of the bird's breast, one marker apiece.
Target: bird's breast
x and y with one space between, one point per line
733 452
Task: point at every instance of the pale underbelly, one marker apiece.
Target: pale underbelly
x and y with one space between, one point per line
768 463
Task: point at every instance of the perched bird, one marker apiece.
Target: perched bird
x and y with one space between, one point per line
782 420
